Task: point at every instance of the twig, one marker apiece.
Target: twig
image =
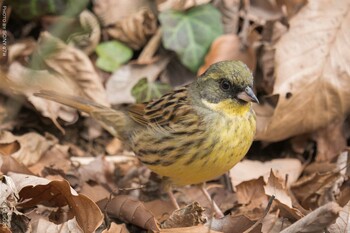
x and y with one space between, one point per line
266 211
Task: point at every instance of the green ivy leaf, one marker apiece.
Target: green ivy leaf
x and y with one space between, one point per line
112 54
191 33
145 91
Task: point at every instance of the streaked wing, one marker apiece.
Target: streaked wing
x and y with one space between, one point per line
168 111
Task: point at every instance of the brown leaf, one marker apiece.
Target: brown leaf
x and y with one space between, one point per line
230 14
330 141
31 146
116 228
311 75
276 186
194 229
110 11
249 169
317 220
44 226
234 224
274 224
309 188
36 190
187 216
262 11
136 29
74 67
229 47
129 210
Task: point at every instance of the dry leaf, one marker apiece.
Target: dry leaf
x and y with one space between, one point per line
89 39
187 216
111 11
276 186
116 228
249 169
317 220
74 67
311 75
44 226
119 85
234 224
35 190
180 5
342 223
229 47
21 49
262 11
195 229
330 141
136 29
274 224
129 210
31 146
230 14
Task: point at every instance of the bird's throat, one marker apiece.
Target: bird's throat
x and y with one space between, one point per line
228 107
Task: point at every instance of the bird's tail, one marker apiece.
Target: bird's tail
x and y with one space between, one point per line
113 121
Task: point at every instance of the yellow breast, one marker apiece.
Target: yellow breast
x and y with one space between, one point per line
227 139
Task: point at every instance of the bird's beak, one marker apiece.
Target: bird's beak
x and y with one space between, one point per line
248 95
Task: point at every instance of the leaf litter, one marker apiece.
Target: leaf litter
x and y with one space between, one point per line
295 177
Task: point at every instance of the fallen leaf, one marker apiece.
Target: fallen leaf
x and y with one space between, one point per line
31 146
136 29
45 226
312 75
229 47
126 209
249 169
234 224
194 229
35 190
110 11
190 33
342 223
187 216
317 220
330 141
112 54
145 91
116 228
276 187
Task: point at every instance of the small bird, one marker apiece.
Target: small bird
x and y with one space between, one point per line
191 135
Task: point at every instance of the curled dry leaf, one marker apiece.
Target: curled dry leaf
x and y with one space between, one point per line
230 14
35 190
190 215
311 75
180 5
230 47
30 146
111 11
73 66
90 37
129 210
136 29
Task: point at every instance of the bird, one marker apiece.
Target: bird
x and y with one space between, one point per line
191 135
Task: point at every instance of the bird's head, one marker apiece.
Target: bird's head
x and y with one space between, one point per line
227 87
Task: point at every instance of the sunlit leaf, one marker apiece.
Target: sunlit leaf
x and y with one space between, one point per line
112 54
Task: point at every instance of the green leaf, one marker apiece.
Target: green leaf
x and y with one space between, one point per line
112 54
191 33
145 91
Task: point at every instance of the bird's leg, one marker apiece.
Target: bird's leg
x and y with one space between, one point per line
218 212
172 198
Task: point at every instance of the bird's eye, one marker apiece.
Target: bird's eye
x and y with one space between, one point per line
225 85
